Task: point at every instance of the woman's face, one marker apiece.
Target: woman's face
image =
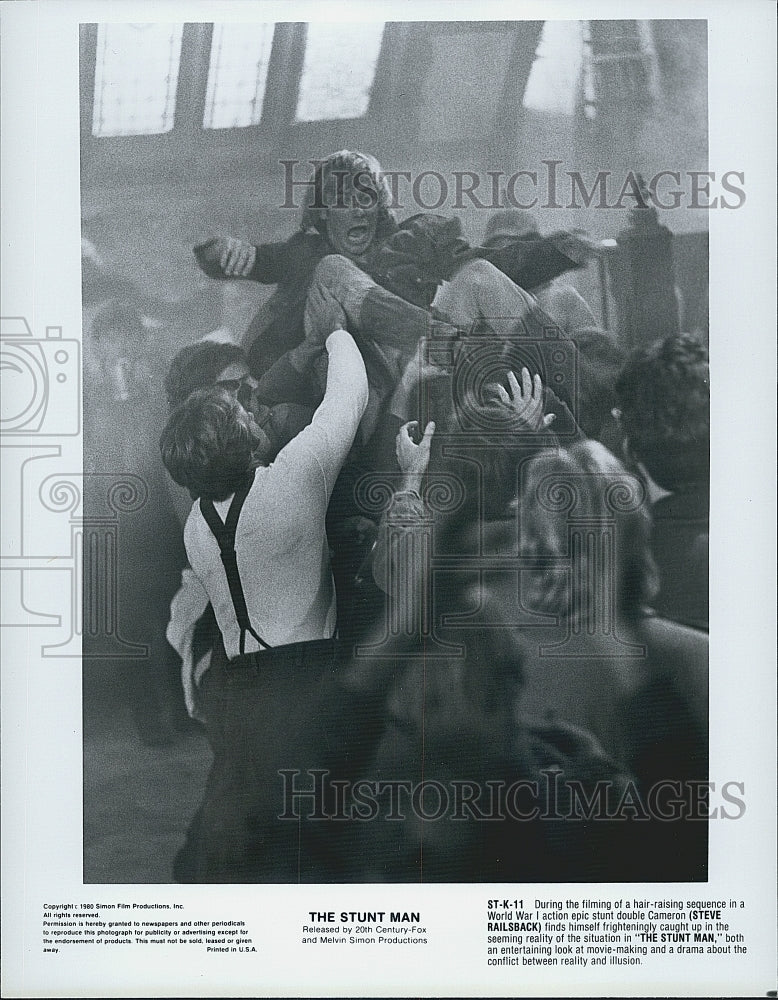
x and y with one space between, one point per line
352 217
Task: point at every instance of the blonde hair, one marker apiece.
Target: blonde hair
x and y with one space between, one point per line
356 165
585 486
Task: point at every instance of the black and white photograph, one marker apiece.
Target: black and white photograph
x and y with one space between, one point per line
398 334
387 439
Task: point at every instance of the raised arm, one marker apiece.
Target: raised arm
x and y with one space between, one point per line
396 562
331 432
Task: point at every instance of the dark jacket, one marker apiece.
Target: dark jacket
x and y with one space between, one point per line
410 261
679 542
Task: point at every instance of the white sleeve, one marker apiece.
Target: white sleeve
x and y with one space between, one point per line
187 606
329 436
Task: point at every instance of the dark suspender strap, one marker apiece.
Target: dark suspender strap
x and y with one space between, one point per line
224 532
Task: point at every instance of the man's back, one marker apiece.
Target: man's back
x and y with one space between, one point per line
280 541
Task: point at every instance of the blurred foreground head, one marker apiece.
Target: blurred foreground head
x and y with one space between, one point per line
586 488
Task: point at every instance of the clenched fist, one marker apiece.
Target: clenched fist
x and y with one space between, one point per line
237 257
226 257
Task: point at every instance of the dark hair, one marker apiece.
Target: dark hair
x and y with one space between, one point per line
196 366
664 396
357 165
208 444
600 361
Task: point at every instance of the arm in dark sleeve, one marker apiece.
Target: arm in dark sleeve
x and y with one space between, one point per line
530 263
290 261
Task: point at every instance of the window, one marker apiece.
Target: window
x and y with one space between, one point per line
136 75
237 74
553 83
589 95
338 70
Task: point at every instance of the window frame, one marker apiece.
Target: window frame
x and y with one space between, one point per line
130 156
386 129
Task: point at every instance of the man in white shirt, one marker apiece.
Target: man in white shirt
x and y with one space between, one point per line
256 541
210 445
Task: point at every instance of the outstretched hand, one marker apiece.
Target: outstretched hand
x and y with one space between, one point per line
413 458
524 401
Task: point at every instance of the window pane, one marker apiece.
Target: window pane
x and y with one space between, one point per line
553 80
136 75
338 71
240 54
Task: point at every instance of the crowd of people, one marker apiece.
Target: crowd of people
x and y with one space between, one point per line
432 514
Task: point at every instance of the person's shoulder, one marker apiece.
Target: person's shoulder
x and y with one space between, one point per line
295 459
307 240
284 490
563 294
193 525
